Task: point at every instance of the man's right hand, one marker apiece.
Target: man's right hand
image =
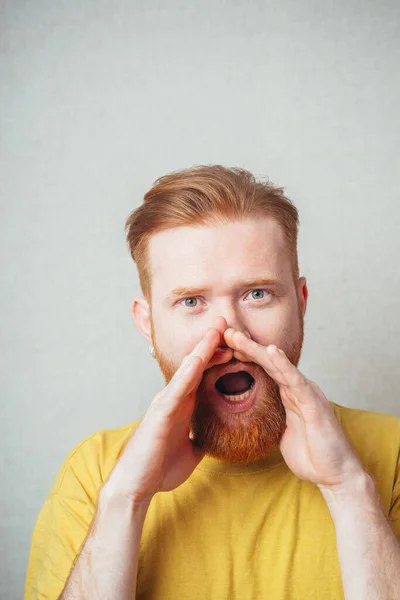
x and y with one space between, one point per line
160 455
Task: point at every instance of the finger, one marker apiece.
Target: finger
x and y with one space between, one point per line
271 358
186 359
223 353
242 357
247 347
293 378
186 380
182 385
189 374
220 323
220 357
208 345
238 355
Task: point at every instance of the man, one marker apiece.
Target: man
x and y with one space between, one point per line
242 481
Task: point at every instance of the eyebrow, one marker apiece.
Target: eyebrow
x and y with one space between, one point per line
257 282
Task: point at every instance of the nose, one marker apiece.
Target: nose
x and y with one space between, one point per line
225 321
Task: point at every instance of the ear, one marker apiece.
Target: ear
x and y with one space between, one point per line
302 294
141 316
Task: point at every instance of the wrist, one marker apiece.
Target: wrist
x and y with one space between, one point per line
353 491
110 499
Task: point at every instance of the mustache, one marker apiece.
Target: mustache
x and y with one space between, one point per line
258 369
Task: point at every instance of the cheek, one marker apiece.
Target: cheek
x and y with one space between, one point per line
291 332
278 327
172 341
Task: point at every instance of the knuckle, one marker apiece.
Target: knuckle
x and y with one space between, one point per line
300 380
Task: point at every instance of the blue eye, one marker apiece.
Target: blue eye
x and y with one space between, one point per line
190 305
257 292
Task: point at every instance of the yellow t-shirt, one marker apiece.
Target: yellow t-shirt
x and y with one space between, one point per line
230 532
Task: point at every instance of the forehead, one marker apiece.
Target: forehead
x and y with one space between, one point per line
217 254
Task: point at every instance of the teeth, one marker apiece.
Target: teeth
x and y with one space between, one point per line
238 397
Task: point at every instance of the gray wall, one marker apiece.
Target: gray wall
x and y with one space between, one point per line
100 98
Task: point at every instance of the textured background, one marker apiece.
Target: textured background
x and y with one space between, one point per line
100 98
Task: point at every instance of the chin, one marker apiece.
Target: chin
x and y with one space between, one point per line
242 436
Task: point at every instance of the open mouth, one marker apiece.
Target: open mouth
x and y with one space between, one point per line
235 387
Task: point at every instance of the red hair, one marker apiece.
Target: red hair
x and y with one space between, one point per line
205 195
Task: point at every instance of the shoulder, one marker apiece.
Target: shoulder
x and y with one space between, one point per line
375 437
359 421
89 463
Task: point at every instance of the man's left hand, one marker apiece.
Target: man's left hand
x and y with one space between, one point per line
314 445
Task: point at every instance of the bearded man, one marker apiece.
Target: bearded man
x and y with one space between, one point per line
241 481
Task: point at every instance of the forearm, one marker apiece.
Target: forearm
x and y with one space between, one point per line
369 553
107 565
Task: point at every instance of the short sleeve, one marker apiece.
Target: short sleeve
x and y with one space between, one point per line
62 526
65 518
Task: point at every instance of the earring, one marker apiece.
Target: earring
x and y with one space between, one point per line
151 349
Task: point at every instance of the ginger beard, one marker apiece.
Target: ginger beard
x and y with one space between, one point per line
241 437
